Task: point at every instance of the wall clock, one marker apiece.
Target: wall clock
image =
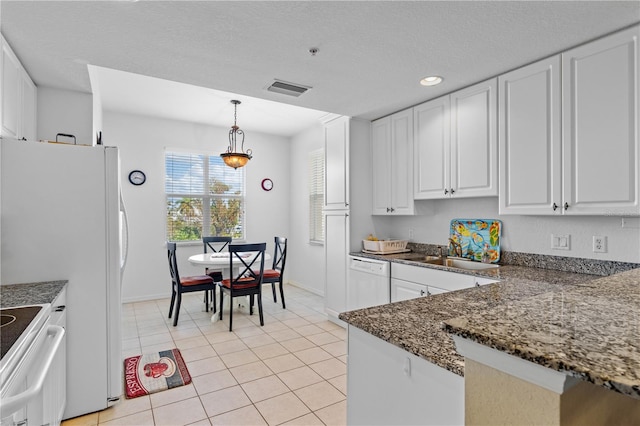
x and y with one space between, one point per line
137 177
267 184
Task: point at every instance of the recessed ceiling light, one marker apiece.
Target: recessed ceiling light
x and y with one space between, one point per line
431 81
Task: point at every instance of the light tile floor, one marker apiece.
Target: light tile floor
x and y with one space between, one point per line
290 371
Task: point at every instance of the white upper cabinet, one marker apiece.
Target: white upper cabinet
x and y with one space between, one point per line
455 144
569 132
530 139
392 159
18 94
474 143
600 128
336 167
432 177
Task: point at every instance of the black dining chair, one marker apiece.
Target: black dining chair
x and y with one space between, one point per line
185 284
215 245
245 277
274 275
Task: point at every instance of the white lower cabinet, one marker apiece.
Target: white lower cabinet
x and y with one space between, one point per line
409 282
389 386
336 245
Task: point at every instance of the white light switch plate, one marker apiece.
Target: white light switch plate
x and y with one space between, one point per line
561 242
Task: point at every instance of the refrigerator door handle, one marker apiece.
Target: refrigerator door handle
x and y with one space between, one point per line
125 237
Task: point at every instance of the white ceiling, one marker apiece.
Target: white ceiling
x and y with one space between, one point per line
371 53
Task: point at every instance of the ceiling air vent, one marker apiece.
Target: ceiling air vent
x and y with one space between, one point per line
285 88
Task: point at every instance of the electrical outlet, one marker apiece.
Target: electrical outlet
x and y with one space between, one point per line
561 242
599 244
411 234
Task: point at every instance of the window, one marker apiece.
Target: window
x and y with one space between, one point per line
204 197
316 195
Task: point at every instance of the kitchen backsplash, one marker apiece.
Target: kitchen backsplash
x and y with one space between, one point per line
543 261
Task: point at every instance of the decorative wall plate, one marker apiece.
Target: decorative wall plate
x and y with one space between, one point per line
473 234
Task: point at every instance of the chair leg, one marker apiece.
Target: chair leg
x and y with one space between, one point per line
230 312
206 300
221 298
260 309
173 300
282 295
273 290
251 299
213 299
179 301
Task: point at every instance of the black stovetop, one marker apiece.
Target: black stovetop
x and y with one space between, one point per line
13 322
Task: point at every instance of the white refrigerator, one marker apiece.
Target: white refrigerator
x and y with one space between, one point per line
61 220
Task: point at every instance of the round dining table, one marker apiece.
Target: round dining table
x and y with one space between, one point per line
221 261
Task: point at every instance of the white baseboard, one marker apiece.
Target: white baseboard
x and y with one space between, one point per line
309 289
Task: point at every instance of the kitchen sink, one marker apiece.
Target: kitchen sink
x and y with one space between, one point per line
459 263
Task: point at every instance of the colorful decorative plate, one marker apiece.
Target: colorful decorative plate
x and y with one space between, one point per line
473 234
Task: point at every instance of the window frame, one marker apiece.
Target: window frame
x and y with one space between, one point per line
206 196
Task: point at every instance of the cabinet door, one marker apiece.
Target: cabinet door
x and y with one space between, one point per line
381 170
28 115
336 245
405 290
11 89
530 144
336 150
431 149
389 386
401 176
474 143
600 104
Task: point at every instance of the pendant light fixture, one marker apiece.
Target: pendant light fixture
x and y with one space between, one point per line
233 157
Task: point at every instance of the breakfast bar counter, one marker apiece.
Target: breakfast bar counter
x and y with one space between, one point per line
580 324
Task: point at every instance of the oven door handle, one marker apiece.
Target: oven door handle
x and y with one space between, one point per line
14 403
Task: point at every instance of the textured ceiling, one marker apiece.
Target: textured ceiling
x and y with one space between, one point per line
371 54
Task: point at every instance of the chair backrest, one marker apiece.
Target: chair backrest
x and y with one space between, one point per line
280 254
173 263
249 264
215 244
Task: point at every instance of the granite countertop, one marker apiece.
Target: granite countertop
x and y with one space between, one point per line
30 293
590 332
496 315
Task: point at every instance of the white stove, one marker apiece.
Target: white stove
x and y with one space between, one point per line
30 348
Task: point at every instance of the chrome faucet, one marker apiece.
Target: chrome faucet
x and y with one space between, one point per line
442 253
457 248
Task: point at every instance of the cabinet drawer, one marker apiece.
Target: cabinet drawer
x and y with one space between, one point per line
441 279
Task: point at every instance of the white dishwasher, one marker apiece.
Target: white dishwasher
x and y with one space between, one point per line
369 283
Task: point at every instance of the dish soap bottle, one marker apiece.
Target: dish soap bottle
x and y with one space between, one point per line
486 258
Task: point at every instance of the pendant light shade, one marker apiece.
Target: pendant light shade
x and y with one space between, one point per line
233 157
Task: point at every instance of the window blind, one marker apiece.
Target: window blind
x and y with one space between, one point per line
316 195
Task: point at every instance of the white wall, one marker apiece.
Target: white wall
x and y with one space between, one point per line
305 262
65 111
529 234
142 141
